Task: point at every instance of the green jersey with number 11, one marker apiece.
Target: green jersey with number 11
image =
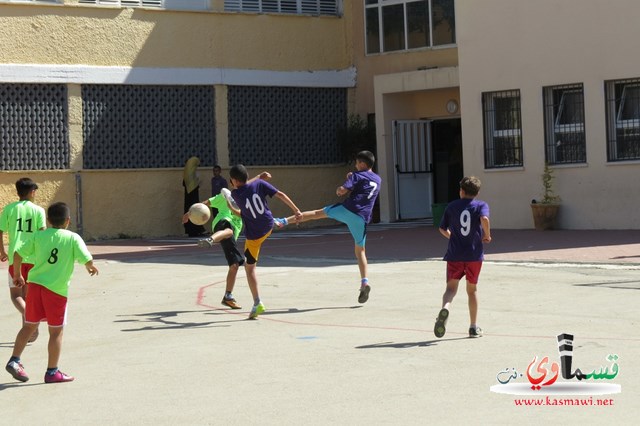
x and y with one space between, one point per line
54 252
21 219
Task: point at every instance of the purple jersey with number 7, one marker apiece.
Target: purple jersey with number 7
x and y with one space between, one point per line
252 201
462 218
365 187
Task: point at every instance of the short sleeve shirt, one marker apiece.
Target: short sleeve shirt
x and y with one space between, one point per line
365 187
21 220
462 218
252 200
55 252
217 183
225 213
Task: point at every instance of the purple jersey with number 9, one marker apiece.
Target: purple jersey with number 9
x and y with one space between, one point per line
462 218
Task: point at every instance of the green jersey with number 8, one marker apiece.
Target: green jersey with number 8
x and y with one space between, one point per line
54 252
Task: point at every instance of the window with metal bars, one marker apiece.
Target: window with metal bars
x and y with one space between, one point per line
502 129
622 98
392 25
295 7
564 124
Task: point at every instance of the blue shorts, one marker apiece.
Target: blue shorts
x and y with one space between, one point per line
357 225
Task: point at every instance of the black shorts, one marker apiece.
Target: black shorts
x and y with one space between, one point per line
231 252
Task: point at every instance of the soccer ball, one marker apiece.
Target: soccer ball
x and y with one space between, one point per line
199 214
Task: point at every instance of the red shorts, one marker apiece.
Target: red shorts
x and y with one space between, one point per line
24 269
457 270
44 305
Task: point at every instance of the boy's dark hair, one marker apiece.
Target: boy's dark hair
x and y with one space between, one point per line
58 213
239 173
24 186
366 157
470 185
217 167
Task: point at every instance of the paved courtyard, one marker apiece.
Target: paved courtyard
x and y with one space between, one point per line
149 342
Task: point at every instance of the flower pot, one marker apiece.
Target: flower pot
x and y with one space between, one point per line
545 216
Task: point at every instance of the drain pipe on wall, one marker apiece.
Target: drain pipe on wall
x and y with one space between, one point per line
79 204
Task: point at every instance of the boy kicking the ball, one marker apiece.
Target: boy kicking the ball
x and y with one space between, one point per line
362 188
251 198
465 224
54 251
226 227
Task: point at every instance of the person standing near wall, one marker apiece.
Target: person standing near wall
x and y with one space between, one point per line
191 184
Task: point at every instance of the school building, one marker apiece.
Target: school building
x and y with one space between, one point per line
103 101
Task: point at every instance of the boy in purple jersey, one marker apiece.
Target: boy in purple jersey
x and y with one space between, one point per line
363 187
251 198
465 224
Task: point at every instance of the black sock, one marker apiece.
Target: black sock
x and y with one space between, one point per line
14 358
52 371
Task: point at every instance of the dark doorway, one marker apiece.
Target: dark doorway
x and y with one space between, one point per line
447 158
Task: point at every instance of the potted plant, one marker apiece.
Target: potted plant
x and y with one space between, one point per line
545 211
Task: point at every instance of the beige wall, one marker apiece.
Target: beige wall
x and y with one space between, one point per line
506 44
138 37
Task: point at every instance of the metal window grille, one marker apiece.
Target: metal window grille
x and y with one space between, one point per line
34 133
285 125
564 124
392 25
502 129
296 7
622 102
147 127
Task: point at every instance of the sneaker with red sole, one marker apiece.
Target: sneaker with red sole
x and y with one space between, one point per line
17 371
58 377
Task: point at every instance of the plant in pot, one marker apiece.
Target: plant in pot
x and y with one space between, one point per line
545 210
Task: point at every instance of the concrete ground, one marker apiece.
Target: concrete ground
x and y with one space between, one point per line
149 342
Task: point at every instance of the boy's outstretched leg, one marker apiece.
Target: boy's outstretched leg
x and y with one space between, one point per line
279 222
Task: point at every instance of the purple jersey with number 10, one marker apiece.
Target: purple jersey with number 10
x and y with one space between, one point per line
252 200
462 218
364 187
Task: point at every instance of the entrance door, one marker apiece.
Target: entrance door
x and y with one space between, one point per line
413 163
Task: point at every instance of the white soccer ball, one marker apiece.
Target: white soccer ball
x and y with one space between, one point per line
199 214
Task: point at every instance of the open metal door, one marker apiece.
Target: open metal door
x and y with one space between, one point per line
414 168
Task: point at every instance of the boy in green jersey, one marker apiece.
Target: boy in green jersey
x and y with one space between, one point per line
21 220
226 228
54 251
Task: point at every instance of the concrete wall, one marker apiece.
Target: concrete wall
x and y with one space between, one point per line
526 45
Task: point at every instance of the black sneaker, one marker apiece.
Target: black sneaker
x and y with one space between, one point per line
205 243
441 323
364 293
475 331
